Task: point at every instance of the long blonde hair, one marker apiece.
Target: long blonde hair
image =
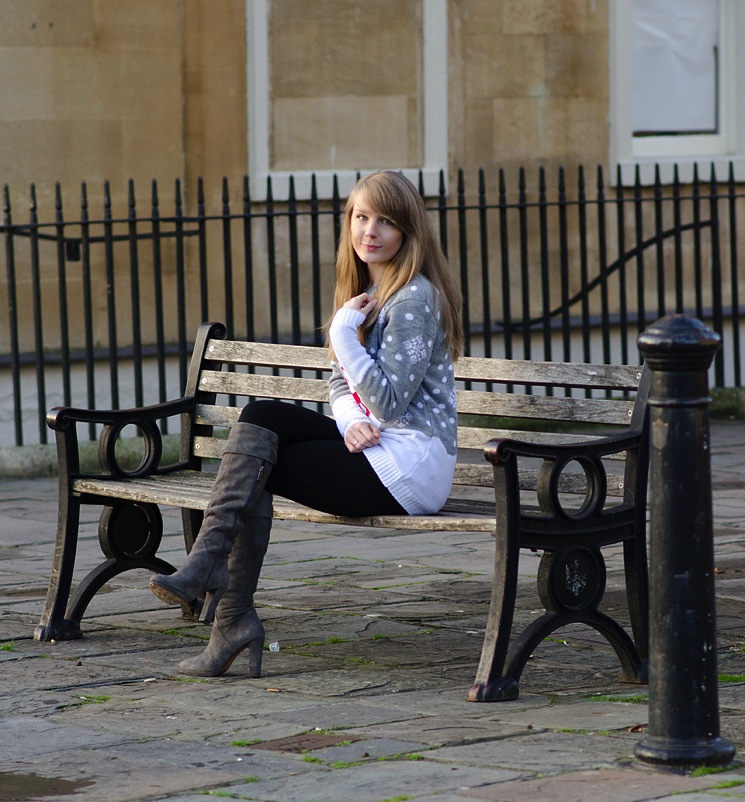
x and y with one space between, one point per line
390 194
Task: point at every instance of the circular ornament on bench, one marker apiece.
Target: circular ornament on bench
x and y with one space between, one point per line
572 579
110 459
130 530
554 480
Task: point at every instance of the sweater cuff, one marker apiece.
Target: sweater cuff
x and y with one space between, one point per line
344 317
346 412
350 353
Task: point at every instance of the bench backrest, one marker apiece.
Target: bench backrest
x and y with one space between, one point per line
552 402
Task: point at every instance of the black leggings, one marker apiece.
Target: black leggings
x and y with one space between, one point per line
314 467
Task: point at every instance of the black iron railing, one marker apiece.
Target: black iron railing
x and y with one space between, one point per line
101 306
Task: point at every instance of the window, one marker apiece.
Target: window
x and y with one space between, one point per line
322 99
674 98
675 69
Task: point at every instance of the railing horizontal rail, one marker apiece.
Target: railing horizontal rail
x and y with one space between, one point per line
100 308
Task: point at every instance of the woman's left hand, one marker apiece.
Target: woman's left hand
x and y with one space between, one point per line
362 303
360 436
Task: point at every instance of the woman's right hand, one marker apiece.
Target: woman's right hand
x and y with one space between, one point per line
362 303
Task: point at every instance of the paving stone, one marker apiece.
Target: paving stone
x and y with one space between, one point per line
367 749
370 782
153 769
453 702
732 695
550 752
363 682
610 785
436 731
715 794
583 716
29 737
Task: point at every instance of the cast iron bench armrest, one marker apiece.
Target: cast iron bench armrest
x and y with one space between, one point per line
553 478
501 449
63 420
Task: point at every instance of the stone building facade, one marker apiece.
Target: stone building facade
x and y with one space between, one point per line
95 90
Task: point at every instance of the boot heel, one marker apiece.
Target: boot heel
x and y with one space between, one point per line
255 653
209 606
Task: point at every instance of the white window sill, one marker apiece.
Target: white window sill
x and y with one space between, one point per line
648 169
325 183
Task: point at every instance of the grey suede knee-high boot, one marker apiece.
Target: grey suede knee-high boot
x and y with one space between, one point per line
249 456
237 625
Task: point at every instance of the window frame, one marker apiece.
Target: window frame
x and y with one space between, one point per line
434 101
652 153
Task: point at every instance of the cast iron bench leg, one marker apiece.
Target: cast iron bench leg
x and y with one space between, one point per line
633 670
99 576
53 625
129 534
489 684
637 591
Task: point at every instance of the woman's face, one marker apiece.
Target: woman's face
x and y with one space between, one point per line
375 239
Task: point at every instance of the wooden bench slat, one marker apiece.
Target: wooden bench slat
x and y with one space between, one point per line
468 436
209 447
474 437
190 489
508 371
263 386
475 475
208 415
470 402
478 474
268 354
571 481
578 410
544 374
450 519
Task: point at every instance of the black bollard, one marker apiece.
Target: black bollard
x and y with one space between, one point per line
683 691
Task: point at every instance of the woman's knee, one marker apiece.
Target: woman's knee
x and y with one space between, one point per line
260 413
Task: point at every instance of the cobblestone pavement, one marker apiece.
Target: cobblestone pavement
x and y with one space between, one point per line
379 636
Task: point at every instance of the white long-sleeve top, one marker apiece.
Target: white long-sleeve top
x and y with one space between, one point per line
402 381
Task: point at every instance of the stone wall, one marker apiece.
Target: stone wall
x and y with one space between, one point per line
97 90
529 84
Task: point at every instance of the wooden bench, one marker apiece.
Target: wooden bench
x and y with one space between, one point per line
601 463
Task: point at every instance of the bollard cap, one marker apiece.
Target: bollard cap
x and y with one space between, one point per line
679 342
